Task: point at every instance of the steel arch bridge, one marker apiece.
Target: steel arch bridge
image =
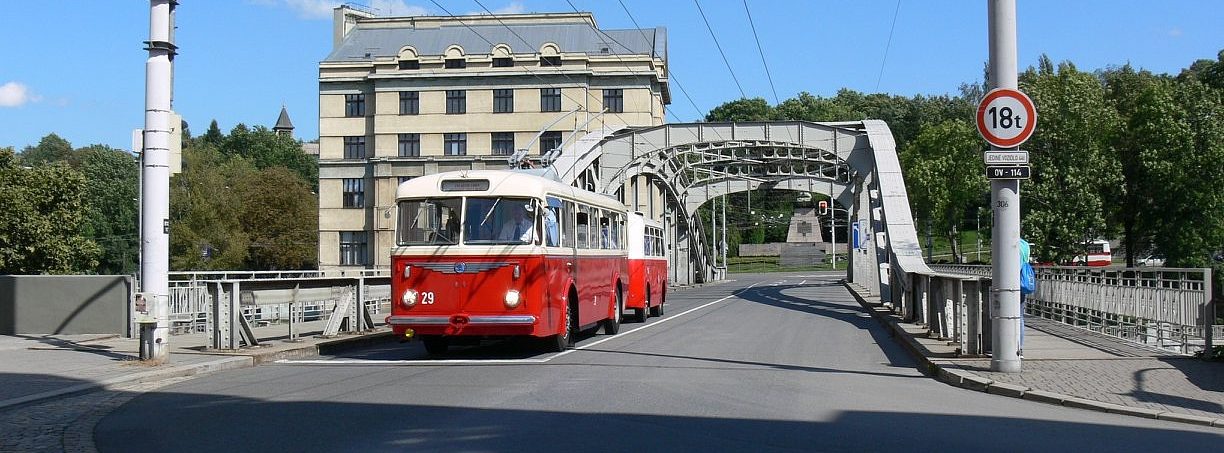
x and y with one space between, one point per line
854 163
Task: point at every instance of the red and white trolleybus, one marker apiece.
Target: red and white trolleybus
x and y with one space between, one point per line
647 267
490 253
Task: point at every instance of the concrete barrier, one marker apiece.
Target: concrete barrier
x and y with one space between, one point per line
64 304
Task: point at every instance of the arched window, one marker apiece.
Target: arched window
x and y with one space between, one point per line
408 59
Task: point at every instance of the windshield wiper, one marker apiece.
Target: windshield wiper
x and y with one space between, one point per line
491 208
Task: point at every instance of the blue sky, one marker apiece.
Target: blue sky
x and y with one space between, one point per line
76 67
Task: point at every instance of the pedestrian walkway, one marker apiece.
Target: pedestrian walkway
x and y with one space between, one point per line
1077 368
35 368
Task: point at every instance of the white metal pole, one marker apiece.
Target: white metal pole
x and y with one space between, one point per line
155 195
1005 197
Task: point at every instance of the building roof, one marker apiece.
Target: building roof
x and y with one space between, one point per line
366 43
283 122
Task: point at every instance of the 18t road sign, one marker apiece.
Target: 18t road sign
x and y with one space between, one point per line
1006 118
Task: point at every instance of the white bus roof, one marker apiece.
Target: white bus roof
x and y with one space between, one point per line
505 183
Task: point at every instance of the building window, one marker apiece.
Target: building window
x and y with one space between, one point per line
550 99
503 143
354 192
409 145
454 144
550 141
456 101
405 65
503 101
614 100
354 105
456 63
410 103
404 179
354 147
353 248
503 62
550 61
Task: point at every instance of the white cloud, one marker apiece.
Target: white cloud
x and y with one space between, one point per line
322 9
15 94
397 8
1176 32
512 8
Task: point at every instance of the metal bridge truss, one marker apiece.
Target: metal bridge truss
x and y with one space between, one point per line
693 163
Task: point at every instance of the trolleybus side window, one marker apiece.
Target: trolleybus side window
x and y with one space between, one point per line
552 232
568 235
430 221
583 226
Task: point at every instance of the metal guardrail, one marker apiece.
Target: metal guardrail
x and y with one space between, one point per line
239 311
1165 307
951 306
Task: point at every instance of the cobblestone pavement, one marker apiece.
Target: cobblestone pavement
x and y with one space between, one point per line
1112 371
66 424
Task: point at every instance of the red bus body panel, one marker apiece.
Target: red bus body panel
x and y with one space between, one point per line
650 272
468 293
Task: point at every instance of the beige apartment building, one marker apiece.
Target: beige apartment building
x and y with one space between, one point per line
401 97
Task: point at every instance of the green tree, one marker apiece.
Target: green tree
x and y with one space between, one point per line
52 148
943 176
41 214
205 229
1064 204
213 136
755 109
265 148
280 215
1147 113
111 193
1190 228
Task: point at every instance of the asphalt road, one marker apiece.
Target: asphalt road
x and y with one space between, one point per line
773 362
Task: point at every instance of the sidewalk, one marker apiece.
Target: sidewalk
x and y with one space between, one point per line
37 368
1074 367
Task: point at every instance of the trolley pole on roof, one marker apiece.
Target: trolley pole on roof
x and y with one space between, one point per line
1005 200
155 173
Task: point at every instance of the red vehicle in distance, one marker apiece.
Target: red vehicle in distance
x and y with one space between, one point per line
647 267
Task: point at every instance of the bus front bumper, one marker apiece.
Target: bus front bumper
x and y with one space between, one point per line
465 325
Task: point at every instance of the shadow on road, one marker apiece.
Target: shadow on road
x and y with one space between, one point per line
212 423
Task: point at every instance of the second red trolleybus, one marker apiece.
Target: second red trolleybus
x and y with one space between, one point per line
490 253
647 267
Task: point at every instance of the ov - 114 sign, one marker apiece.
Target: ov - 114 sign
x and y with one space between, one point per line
1006 118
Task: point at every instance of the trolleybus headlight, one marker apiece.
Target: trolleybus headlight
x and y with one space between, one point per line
409 299
512 298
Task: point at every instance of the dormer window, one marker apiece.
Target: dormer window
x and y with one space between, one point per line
406 65
499 62
456 63
554 61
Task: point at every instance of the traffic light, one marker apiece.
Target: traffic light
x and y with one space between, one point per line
824 207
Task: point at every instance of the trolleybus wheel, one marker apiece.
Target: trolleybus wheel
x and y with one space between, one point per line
563 340
612 326
644 312
657 310
436 344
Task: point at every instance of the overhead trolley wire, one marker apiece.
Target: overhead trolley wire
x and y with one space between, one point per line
720 49
762 52
891 28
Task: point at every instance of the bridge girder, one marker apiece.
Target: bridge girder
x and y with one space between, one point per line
692 163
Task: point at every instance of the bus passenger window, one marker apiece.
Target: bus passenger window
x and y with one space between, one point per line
567 224
584 220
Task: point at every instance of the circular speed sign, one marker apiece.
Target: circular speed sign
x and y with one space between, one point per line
1006 117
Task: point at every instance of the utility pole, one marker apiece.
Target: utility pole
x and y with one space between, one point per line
1005 200
155 173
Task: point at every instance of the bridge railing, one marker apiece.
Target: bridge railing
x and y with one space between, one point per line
1168 308
235 312
951 306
